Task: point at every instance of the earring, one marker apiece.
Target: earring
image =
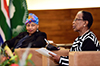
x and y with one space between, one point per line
84 25
37 30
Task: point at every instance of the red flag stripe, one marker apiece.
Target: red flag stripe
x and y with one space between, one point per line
4 9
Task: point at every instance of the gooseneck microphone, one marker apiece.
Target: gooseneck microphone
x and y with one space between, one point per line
46 42
51 46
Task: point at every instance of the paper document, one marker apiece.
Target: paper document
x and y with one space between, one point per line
45 52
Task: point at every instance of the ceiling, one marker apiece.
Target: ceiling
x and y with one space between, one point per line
60 4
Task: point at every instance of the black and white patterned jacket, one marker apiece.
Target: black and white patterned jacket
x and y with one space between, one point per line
86 42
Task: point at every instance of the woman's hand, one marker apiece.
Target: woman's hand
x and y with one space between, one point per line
55 57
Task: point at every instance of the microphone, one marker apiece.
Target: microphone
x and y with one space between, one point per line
46 42
51 46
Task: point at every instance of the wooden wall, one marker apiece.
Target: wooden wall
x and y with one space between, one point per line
57 24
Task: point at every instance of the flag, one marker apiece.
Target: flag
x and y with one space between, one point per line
18 13
5 27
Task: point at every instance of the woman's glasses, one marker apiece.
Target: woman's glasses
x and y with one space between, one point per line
77 19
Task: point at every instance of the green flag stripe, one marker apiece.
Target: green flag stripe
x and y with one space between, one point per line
5 27
4 21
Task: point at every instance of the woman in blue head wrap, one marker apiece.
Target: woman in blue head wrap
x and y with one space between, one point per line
33 36
32 24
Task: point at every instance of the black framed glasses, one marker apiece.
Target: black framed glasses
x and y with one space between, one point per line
77 19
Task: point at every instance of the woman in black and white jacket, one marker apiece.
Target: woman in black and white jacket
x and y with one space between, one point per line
86 41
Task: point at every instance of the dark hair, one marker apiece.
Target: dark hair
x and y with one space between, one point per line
88 16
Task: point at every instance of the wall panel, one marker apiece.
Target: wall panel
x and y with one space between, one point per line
57 24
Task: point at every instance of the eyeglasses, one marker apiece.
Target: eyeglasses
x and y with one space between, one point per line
77 19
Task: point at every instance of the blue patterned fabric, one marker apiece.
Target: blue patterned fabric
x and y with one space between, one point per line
32 18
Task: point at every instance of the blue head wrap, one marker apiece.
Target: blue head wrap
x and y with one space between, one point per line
32 18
